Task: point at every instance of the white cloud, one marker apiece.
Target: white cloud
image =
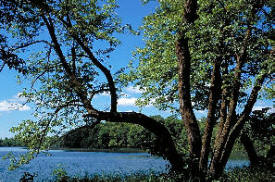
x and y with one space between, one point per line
15 103
24 108
134 90
121 110
127 101
11 106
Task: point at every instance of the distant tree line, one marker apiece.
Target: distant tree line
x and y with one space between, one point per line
10 142
123 135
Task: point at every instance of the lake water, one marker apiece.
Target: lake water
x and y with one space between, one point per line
83 163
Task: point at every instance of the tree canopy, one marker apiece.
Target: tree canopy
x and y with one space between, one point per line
217 34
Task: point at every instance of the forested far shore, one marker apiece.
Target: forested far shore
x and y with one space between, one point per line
10 142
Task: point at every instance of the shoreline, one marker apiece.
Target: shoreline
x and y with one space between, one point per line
114 150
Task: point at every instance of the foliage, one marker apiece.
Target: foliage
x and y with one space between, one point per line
8 54
242 175
27 177
10 142
122 135
207 55
60 174
216 34
260 129
249 174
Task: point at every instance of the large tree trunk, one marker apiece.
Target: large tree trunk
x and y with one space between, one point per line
222 136
184 66
188 116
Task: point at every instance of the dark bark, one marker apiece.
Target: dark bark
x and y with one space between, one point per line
169 150
223 109
57 46
271 153
211 118
231 115
234 133
229 130
250 149
184 70
190 11
230 134
105 71
75 83
188 116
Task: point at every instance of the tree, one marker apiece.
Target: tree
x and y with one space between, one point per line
220 46
210 53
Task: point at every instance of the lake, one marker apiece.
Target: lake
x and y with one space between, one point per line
83 163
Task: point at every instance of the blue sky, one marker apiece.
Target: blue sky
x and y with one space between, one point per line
13 110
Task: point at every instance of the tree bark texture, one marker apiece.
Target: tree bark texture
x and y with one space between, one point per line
218 165
211 118
188 116
184 68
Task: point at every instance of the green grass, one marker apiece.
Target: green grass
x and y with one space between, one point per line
236 175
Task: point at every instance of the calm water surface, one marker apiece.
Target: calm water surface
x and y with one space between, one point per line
83 163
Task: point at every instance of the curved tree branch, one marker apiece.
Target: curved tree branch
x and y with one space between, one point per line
169 150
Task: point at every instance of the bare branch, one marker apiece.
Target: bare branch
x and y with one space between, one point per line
73 52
